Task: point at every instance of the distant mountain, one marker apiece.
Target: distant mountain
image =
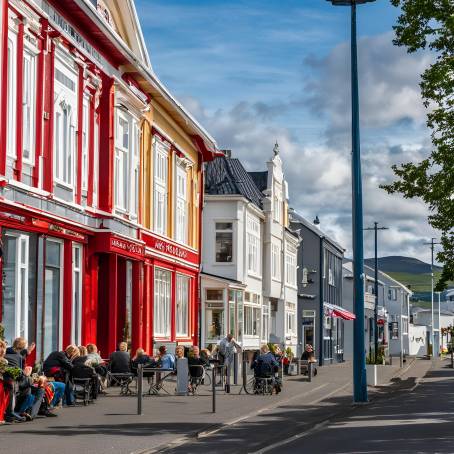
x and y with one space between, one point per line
400 264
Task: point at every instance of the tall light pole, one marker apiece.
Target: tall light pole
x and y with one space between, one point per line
432 246
359 355
376 228
439 327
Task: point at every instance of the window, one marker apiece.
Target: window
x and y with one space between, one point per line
224 242
127 329
275 261
290 266
65 123
290 314
181 204
76 325
214 315
182 310
12 81
160 187
96 160
28 105
331 277
277 202
253 244
394 328
15 286
265 322
251 321
85 140
404 325
162 302
392 294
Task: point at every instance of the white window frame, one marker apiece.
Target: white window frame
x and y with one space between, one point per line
66 103
29 92
275 262
12 91
162 296
290 266
76 307
182 308
290 319
224 230
85 140
122 152
160 186
253 245
265 324
181 202
95 160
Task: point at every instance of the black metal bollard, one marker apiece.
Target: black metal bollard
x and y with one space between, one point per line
213 389
139 389
309 371
235 368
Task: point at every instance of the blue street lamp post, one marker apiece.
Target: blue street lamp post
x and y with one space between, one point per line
359 355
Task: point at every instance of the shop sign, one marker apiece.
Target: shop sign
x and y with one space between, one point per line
126 246
168 248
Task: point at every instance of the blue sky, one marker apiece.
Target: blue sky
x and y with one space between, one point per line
254 72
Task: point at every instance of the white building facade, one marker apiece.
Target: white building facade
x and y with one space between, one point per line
248 284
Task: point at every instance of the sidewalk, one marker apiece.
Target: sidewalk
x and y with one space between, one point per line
111 425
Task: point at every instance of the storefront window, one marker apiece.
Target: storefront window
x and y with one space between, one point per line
182 309
76 326
215 325
162 302
52 296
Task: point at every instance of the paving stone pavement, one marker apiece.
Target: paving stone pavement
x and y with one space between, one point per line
111 425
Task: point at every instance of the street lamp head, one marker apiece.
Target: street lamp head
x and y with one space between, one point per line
349 2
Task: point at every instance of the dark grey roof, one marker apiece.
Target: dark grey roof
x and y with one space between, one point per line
260 179
228 176
296 218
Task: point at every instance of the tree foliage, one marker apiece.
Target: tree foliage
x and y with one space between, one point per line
429 25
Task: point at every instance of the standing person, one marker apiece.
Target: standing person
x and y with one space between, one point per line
227 349
4 393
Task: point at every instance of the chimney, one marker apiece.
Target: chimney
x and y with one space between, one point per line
227 153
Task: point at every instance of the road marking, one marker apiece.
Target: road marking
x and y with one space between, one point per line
232 422
307 432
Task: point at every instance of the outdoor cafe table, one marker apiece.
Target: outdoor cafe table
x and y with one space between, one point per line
161 375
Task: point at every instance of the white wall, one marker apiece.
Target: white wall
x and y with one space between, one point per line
417 338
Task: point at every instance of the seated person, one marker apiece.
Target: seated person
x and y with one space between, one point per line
94 360
4 392
59 366
142 358
82 370
309 356
194 363
120 360
166 360
267 366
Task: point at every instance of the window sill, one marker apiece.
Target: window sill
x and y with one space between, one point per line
63 185
223 263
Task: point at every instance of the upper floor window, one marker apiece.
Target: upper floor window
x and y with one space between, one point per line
65 126
160 167
290 266
126 162
392 294
28 104
85 138
12 83
253 244
181 204
277 202
275 261
224 241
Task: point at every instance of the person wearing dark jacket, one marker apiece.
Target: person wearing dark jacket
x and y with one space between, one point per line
266 365
82 369
309 356
120 360
59 366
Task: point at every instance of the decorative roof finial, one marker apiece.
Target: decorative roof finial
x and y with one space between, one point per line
276 149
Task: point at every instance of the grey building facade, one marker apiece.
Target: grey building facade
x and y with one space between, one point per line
320 321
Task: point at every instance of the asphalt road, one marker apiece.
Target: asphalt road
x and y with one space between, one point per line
412 418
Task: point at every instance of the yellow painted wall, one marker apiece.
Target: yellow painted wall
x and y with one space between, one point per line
163 122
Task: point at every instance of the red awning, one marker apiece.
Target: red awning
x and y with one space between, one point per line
340 312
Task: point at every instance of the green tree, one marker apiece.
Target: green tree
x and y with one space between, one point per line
429 25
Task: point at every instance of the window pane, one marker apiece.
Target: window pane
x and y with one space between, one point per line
9 287
224 226
214 295
224 246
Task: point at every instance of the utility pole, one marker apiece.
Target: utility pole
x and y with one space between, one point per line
439 326
432 246
375 228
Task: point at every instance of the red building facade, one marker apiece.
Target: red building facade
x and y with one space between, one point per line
100 182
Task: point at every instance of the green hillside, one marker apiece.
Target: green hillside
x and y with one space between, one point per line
416 282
